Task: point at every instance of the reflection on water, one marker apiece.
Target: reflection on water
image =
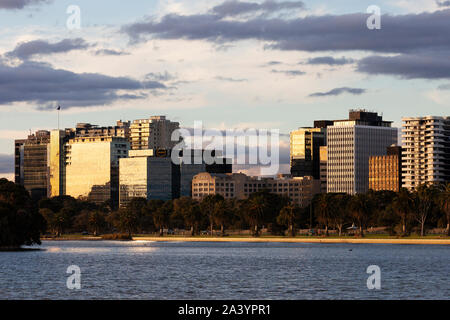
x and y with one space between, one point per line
183 270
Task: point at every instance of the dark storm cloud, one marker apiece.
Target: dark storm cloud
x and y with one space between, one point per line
19 4
339 91
110 52
408 66
44 86
235 8
330 61
399 33
26 50
6 163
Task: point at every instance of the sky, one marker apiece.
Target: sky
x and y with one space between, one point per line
230 64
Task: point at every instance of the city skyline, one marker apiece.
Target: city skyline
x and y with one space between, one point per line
150 66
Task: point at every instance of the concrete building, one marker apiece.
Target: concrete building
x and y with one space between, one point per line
385 172
143 175
300 190
121 129
323 169
92 167
305 146
426 151
350 144
189 168
154 133
31 169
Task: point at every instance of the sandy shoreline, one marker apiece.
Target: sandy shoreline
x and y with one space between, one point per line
297 240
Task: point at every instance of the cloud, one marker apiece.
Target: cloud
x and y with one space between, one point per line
338 92
443 4
234 8
20 4
162 77
220 78
27 50
6 163
291 73
110 52
44 86
399 33
408 66
444 87
330 61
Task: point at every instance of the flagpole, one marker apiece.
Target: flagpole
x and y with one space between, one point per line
59 109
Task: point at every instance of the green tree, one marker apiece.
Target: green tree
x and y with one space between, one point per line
161 216
361 209
190 211
208 207
256 205
96 221
127 221
323 210
425 198
223 212
402 204
340 211
445 204
288 217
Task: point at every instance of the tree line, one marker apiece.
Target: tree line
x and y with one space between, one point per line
23 220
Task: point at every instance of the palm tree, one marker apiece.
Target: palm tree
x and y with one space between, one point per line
360 210
96 221
222 214
161 216
403 204
208 206
255 212
324 209
287 217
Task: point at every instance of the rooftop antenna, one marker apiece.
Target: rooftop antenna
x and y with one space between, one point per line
58 109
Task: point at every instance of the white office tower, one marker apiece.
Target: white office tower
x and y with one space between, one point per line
426 153
350 144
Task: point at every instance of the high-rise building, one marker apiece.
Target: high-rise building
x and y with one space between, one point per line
144 175
92 167
426 151
385 172
31 170
305 146
323 169
350 144
300 190
154 133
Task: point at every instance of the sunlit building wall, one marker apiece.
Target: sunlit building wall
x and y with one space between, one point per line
92 167
385 172
56 163
154 133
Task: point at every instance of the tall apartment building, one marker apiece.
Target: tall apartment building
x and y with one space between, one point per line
300 190
31 170
323 169
144 175
385 172
426 151
154 133
92 167
350 144
305 146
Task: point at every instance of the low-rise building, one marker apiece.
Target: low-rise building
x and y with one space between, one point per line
300 190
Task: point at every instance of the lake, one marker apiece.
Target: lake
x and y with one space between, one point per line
184 270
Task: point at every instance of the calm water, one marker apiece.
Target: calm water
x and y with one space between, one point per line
150 270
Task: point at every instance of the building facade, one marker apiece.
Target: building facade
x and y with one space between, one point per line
300 190
154 133
350 143
31 169
305 146
385 172
323 169
426 151
92 167
143 175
